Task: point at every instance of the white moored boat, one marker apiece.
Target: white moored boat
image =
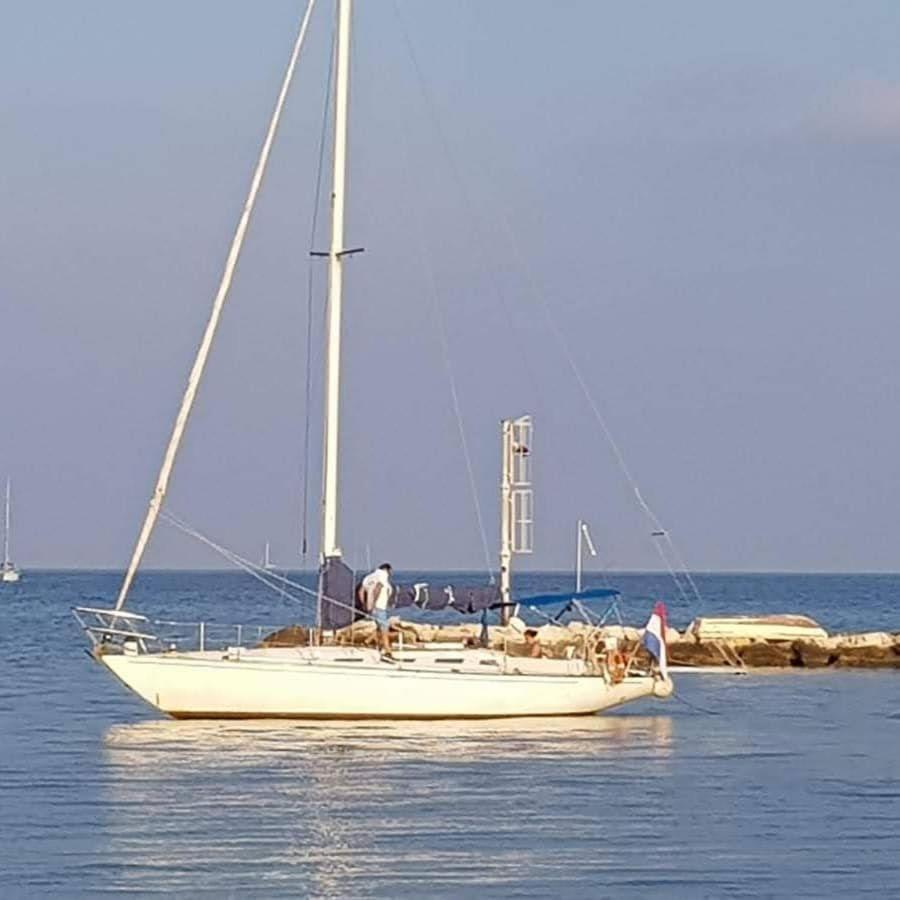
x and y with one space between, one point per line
319 678
757 628
342 683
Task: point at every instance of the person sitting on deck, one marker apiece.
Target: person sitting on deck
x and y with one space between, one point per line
377 590
532 644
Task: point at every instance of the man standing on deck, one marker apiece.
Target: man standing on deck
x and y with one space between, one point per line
377 590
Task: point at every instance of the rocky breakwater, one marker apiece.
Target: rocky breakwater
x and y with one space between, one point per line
872 650
788 641
753 642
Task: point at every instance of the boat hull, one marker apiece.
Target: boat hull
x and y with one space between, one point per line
213 686
756 628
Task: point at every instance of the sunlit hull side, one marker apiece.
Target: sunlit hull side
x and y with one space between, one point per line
279 684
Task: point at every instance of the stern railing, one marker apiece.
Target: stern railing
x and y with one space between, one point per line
120 631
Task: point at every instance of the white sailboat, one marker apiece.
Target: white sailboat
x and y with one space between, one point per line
322 679
9 574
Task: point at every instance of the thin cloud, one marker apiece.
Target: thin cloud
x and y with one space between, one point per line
863 110
731 104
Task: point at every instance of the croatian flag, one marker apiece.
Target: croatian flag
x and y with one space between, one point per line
655 637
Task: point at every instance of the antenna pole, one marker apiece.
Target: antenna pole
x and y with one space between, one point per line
578 559
330 546
584 536
506 521
516 503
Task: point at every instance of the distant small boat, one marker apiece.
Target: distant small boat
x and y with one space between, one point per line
9 574
267 563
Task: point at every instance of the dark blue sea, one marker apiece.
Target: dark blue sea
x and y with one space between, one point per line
770 785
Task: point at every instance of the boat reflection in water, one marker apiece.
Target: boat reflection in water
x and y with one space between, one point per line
333 809
250 742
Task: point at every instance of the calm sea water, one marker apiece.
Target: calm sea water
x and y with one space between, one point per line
768 785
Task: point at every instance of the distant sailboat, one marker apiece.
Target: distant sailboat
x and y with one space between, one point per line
9 573
267 563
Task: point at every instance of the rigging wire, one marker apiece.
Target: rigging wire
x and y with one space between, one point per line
441 328
440 324
666 548
658 530
203 351
304 546
509 319
694 706
257 571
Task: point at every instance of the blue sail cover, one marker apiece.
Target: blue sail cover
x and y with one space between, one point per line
550 599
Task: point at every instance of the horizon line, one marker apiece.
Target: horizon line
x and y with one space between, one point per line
160 570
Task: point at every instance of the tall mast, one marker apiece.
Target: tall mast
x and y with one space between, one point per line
330 546
6 529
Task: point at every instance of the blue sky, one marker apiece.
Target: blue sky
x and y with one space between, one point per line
705 194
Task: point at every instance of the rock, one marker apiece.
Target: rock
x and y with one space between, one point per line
517 648
812 654
292 636
621 632
359 633
673 636
416 631
553 634
870 650
517 625
690 653
868 657
828 643
558 642
410 632
765 654
500 636
458 633
867 639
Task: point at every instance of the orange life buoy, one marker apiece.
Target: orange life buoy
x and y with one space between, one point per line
616 663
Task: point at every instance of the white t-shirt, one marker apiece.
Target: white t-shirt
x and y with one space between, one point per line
382 577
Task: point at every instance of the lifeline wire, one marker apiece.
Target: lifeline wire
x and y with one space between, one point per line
440 327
